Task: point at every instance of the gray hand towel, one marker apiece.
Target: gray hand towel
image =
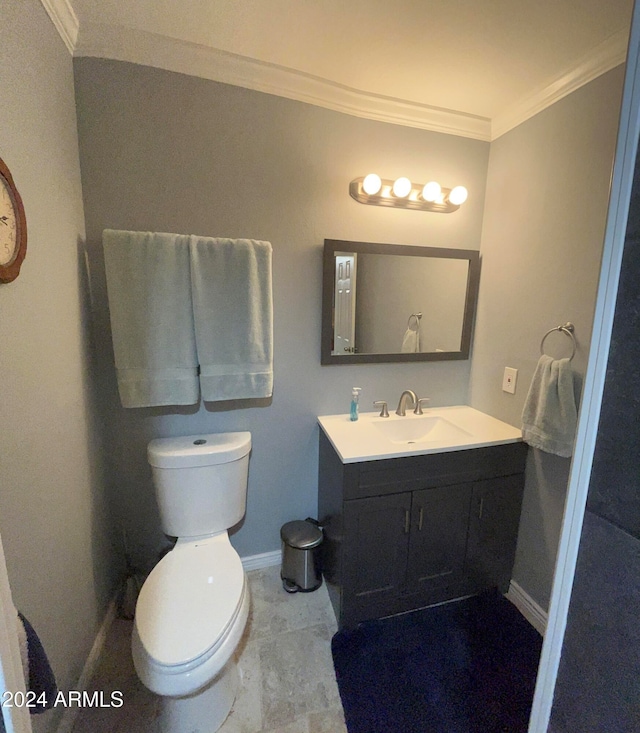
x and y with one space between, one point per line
550 414
149 288
233 315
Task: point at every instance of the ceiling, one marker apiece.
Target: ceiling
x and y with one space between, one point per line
469 67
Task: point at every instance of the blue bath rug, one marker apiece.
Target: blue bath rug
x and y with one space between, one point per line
463 667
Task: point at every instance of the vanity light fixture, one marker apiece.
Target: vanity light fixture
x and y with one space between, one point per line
404 194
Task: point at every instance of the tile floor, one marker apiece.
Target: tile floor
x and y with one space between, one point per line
285 657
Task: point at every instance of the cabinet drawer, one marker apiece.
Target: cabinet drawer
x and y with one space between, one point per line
394 475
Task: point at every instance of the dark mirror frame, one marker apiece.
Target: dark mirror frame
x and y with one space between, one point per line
331 246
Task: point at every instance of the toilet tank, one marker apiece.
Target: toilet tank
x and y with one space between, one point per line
200 481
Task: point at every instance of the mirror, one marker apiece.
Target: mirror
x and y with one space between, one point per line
394 303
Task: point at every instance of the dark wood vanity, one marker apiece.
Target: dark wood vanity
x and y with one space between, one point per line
405 533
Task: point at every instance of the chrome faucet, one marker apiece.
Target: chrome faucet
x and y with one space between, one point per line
402 405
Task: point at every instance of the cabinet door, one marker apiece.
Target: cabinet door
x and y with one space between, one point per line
376 533
438 540
493 530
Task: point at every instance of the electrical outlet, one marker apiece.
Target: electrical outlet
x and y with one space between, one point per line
509 380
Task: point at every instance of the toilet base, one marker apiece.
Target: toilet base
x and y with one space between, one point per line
204 711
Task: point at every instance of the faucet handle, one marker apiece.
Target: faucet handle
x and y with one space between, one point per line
419 403
383 412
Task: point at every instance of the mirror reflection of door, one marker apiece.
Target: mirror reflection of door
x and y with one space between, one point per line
344 307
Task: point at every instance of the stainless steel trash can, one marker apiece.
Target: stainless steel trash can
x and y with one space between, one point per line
301 556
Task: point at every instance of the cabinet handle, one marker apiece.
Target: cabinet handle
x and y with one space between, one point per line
481 507
420 518
407 520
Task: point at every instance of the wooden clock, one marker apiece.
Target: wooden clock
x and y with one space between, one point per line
13 227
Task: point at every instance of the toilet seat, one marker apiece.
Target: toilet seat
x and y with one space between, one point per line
189 602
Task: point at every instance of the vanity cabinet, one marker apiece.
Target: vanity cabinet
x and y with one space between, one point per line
405 533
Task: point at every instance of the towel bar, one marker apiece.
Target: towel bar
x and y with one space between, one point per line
567 329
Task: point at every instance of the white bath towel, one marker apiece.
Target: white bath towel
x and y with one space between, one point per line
550 415
233 314
149 289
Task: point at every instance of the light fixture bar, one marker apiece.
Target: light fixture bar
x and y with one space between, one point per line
413 200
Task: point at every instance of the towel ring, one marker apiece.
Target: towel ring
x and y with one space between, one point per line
417 316
567 329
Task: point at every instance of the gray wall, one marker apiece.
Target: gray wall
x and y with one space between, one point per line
53 518
165 152
546 204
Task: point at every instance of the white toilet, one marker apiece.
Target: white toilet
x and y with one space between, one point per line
193 607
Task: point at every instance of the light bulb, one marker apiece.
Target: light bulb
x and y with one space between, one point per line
458 195
431 191
401 187
371 184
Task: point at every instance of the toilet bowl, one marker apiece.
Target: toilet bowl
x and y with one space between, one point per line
193 607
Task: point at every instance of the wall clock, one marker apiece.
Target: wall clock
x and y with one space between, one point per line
13 227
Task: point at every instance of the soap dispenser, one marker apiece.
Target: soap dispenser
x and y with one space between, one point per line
355 396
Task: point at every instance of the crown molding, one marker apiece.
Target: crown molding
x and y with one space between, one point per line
172 54
603 58
65 20
141 47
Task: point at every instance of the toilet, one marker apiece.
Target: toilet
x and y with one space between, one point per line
193 607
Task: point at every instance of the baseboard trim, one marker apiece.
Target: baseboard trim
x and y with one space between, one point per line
71 713
263 560
527 607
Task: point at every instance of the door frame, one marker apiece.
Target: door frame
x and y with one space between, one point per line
578 487
16 719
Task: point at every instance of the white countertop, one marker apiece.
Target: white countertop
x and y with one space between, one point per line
455 428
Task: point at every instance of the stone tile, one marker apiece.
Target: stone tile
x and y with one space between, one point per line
301 725
246 714
139 716
118 661
139 719
330 721
140 710
297 675
96 721
274 611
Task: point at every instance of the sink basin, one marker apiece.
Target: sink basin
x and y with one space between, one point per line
439 430
420 430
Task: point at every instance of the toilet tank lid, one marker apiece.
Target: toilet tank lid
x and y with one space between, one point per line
198 450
